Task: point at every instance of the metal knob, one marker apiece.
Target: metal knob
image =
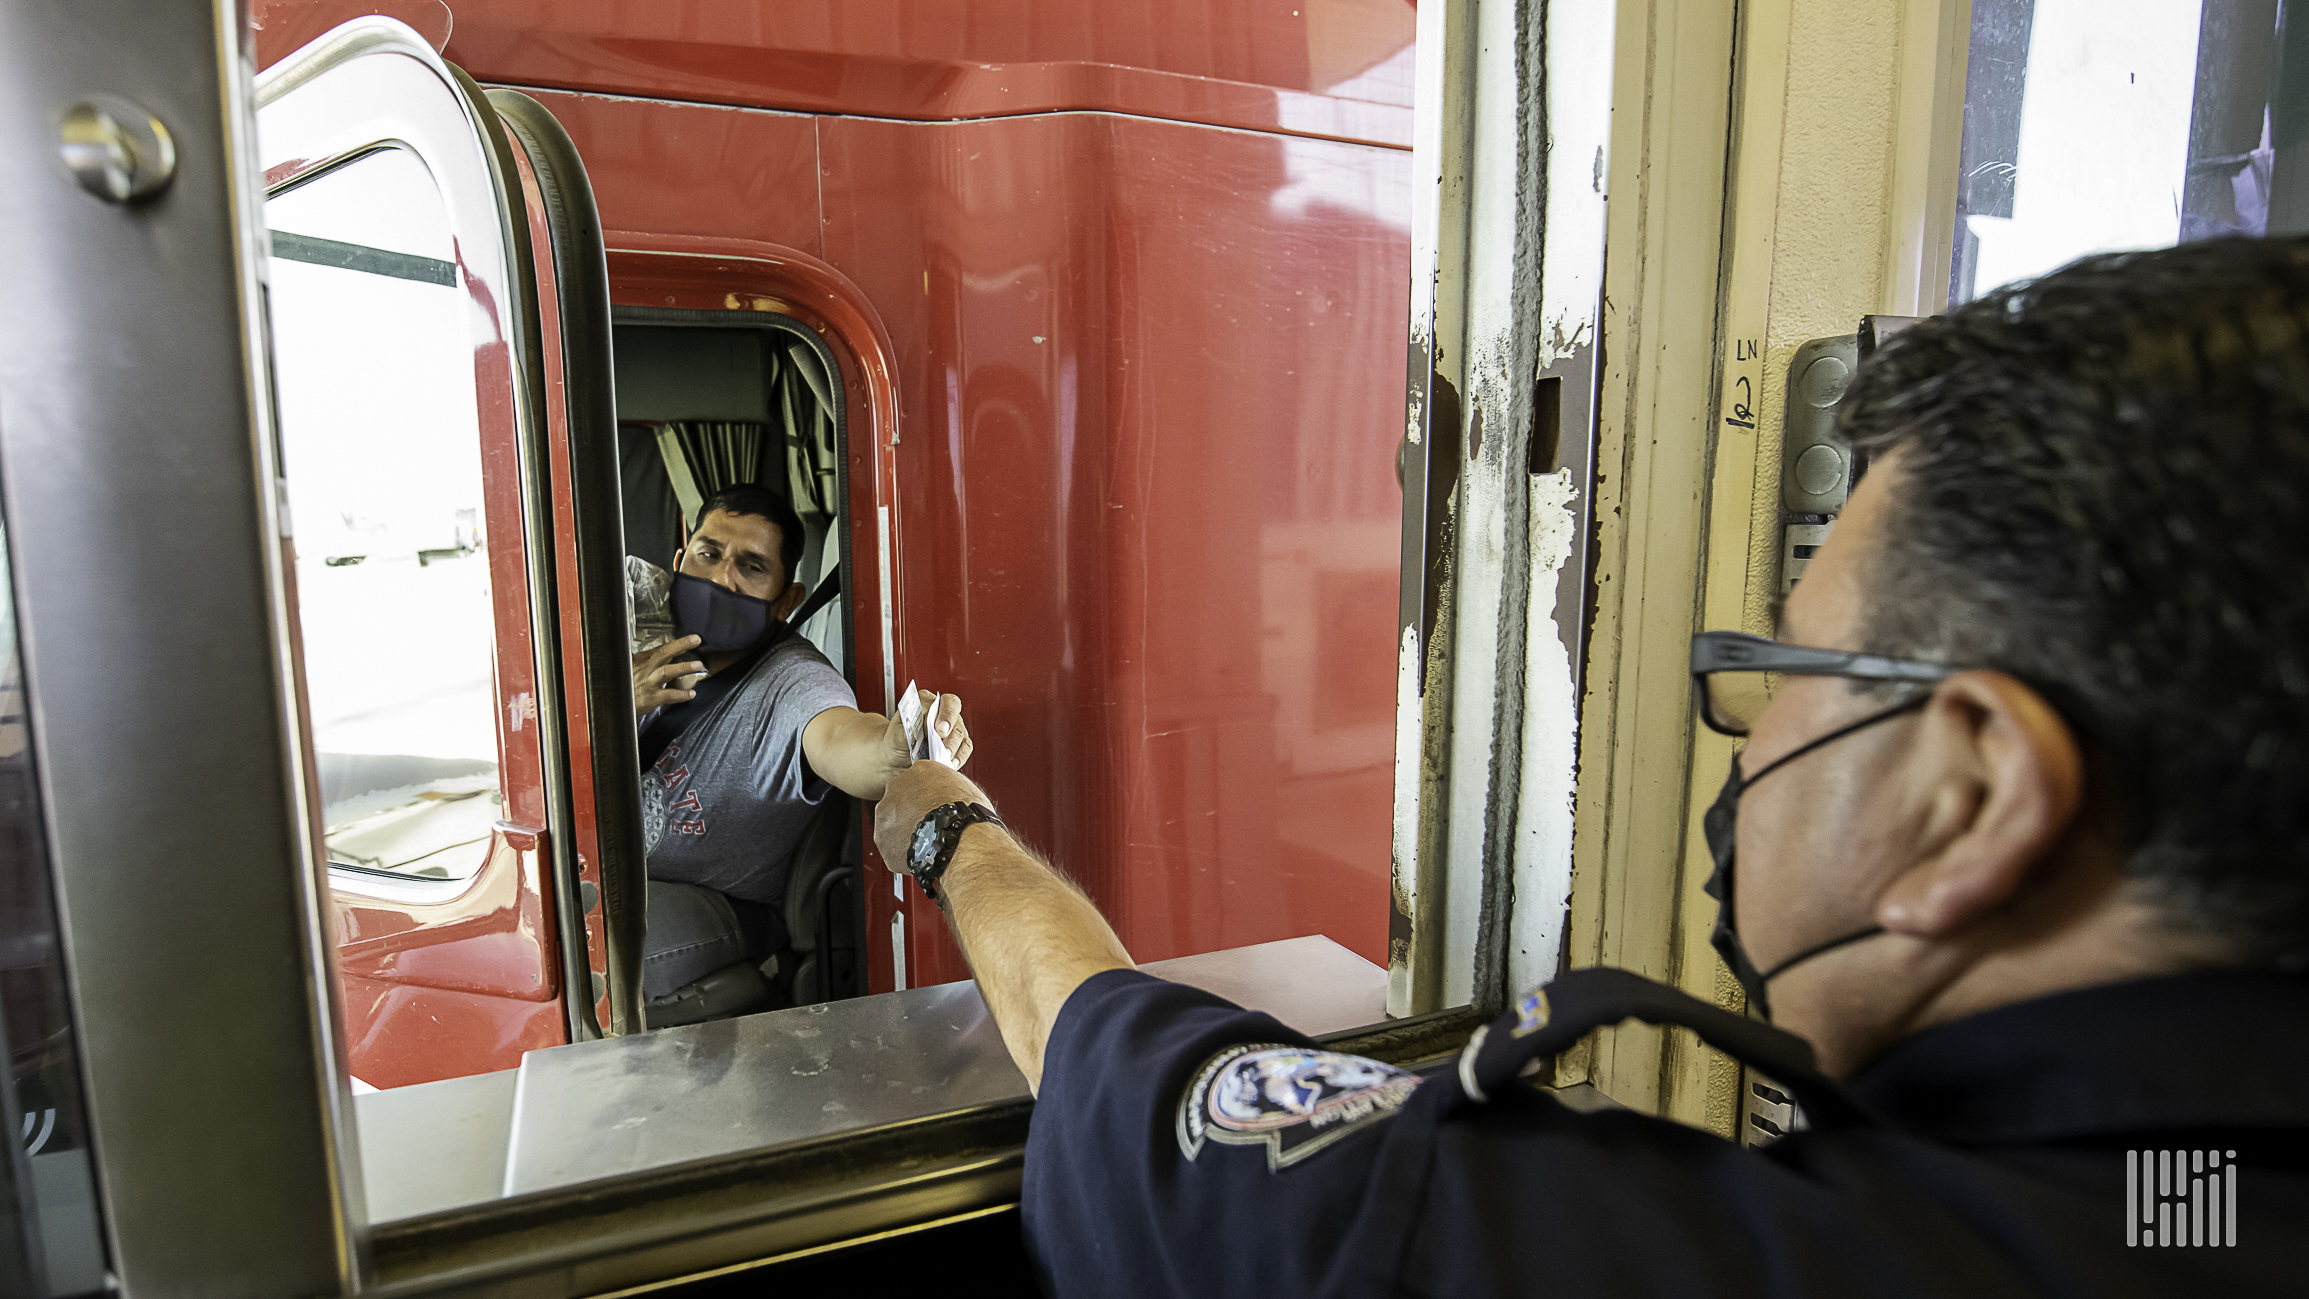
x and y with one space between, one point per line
116 150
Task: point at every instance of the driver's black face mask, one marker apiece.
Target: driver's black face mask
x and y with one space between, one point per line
1719 827
722 620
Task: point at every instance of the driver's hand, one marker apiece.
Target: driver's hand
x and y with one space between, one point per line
911 795
945 714
664 676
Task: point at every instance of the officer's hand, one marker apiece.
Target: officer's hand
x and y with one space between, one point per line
945 713
664 676
911 795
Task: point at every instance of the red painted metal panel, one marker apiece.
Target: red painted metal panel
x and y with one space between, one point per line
484 950
483 937
1333 68
401 1034
1150 523
692 169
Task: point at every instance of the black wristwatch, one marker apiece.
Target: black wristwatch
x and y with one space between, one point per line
934 841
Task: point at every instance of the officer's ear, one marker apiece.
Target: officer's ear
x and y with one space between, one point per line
790 601
2000 780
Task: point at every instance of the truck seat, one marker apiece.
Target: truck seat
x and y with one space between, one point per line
708 956
695 962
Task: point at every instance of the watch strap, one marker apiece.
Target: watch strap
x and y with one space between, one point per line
953 819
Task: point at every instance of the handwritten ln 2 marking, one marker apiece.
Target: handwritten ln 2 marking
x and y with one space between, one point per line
1742 416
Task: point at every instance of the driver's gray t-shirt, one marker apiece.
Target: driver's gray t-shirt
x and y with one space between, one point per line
727 803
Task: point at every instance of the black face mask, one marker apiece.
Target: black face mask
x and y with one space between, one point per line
723 619
1719 827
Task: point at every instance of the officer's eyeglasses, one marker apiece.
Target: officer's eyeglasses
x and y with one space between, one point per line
1737 674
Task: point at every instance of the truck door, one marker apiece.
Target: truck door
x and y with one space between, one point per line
410 362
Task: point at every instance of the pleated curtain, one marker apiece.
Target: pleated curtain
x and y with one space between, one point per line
793 451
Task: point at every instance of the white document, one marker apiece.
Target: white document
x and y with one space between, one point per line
922 738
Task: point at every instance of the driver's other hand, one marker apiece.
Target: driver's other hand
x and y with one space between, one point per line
912 793
665 676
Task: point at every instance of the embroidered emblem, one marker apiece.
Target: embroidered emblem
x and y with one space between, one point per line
1291 1100
1531 1013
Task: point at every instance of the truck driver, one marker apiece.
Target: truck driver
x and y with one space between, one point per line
2023 857
736 762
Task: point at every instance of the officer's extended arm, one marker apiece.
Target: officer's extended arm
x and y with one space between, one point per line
1030 936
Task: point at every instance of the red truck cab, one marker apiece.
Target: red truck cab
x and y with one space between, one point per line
1104 311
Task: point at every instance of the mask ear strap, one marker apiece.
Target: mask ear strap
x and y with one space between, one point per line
1818 949
1835 735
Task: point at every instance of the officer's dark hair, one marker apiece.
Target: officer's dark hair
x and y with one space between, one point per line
2105 479
762 503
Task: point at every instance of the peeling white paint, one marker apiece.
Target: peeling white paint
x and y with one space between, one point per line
1492 232
1468 134
1579 81
1550 752
1408 671
1475 649
1415 411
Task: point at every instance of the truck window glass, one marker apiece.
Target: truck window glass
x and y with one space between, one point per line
51 1245
381 451
2106 125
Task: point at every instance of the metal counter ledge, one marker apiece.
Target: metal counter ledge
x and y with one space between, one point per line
600 1109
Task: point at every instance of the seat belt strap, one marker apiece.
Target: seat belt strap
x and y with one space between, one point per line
828 586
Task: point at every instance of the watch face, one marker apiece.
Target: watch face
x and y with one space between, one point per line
924 850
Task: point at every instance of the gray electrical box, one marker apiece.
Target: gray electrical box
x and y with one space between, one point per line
1798 543
1817 467
1816 464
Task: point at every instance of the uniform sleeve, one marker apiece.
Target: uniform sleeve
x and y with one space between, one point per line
1184 1145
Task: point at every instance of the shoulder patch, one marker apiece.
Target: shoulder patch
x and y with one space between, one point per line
1292 1100
1531 1013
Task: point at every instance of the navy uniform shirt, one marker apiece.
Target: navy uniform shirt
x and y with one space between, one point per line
1184 1146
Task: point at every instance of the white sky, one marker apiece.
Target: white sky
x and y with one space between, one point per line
2104 136
382 448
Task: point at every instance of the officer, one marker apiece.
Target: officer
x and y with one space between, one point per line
2026 881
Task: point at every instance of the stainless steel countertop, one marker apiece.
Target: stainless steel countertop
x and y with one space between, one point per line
434 1146
598 1109
601 1109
